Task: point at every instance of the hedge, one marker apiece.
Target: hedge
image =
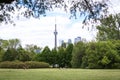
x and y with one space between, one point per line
23 65
34 64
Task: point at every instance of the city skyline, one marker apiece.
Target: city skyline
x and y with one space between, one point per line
40 31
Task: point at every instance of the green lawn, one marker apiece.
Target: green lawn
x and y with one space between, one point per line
59 74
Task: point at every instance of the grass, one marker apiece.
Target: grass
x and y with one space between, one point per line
59 74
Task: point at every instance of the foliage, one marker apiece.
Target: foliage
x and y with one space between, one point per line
34 64
1 53
14 65
77 54
45 55
109 28
33 48
98 55
11 43
61 57
6 9
23 55
89 8
10 55
105 60
101 54
23 65
53 57
69 50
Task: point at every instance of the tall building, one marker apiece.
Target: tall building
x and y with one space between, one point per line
69 41
76 40
62 42
55 33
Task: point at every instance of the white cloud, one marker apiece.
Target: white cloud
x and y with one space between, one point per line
40 31
77 30
35 31
114 6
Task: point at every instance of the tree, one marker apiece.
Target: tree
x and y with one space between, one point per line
23 55
33 48
54 57
64 44
1 53
4 44
92 56
6 8
10 55
13 43
44 55
116 57
101 55
62 57
77 54
90 8
12 50
69 50
109 28
105 60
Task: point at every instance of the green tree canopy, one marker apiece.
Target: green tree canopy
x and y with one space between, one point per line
77 54
44 55
69 50
109 29
90 8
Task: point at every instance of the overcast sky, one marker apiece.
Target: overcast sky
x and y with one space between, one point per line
40 31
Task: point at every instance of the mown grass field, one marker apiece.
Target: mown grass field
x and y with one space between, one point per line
59 74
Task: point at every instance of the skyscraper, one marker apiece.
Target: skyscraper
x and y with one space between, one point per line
69 41
76 40
55 33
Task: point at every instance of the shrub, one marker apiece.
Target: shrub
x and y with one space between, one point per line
34 64
116 66
15 65
23 65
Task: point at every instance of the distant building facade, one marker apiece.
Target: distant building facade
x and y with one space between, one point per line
69 41
77 39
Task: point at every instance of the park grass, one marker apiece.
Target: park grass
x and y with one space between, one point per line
60 74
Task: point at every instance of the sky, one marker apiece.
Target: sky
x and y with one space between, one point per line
40 31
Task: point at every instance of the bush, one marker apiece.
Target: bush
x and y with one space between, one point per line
23 65
15 65
116 66
34 64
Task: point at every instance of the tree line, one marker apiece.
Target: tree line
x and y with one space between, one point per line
101 54
11 50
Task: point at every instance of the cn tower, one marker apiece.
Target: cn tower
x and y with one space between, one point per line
55 33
